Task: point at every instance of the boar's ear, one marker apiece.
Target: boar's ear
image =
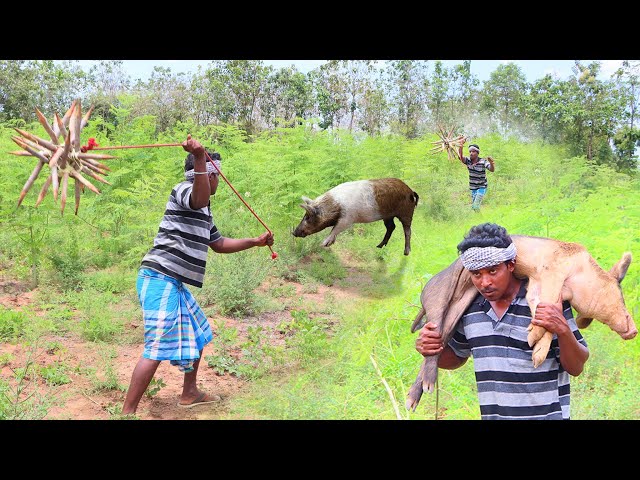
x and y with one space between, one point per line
619 270
306 199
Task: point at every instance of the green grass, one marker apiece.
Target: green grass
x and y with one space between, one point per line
87 264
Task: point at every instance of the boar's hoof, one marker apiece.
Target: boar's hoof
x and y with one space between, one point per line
540 350
328 242
535 334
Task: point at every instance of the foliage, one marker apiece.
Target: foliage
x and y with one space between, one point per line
88 263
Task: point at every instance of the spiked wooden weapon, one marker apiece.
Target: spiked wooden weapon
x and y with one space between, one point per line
63 155
448 143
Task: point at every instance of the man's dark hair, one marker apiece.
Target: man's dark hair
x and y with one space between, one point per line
474 145
485 235
188 162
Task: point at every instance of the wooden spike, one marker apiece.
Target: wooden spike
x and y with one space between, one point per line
94 168
67 146
85 119
61 128
36 146
54 182
30 181
78 188
95 156
84 181
89 161
56 157
37 139
46 126
67 116
43 192
97 177
21 153
63 194
74 128
32 151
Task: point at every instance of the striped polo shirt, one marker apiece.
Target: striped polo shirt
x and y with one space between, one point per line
477 173
182 243
508 386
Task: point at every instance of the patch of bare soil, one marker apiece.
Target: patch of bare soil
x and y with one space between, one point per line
87 364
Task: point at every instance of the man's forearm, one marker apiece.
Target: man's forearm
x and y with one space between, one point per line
573 355
232 245
449 360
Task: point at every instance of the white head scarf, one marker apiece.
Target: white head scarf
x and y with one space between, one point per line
476 258
190 174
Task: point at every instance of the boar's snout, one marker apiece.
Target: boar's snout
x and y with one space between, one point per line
298 233
631 332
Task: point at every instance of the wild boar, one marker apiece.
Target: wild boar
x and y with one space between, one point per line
360 201
554 268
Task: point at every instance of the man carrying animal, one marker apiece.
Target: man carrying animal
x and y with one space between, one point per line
494 331
477 173
176 328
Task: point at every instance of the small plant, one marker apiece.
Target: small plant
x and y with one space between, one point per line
257 355
6 359
55 374
53 347
12 324
110 381
23 401
224 341
154 387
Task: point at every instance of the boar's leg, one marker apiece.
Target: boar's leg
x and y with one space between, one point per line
406 224
548 291
541 349
391 226
583 322
414 395
341 226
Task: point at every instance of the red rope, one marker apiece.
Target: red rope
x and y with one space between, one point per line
92 145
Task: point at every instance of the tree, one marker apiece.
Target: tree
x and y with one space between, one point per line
502 96
407 84
165 96
438 93
105 81
374 108
288 95
332 98
545 106
247 81
596 110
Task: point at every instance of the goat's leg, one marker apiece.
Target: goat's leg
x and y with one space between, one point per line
391 226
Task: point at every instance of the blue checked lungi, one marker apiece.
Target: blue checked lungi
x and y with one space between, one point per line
175 327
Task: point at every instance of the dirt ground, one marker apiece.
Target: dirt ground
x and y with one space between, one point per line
80 400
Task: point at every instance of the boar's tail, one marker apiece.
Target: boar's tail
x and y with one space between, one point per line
414 198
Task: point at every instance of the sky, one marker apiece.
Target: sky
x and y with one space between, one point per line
533 69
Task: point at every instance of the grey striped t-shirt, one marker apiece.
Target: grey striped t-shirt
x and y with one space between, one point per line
182 243
508 385
477 173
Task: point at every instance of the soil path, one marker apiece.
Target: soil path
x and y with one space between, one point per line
113 364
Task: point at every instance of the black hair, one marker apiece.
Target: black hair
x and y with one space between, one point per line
485 235
474 145
188 162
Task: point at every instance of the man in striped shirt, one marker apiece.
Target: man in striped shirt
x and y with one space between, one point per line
494 331
477 173
175 327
